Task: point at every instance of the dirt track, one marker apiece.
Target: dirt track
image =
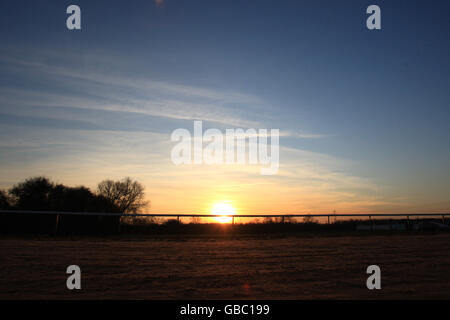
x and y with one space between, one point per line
412 266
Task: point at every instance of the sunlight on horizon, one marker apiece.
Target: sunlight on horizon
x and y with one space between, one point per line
224 209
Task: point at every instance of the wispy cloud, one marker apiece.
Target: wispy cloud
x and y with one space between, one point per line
109 91
302 135
65 85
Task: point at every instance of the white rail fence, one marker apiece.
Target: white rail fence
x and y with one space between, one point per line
281 216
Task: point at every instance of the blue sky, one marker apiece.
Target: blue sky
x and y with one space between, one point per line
365 111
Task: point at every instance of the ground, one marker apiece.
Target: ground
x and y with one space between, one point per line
233 267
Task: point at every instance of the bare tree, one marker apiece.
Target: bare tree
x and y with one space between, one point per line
290 220
310 219
126 194
195 220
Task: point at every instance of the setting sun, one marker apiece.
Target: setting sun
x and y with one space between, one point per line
224 209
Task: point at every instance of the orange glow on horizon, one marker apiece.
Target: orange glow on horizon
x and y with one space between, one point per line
224 209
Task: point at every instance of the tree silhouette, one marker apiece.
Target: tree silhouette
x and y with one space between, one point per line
32 194
5 202
40 194
126 194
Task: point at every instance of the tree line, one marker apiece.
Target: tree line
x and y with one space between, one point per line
42 194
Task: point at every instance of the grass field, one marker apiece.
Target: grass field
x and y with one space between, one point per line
235 267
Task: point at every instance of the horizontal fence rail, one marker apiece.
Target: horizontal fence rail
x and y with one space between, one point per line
55 218
174 215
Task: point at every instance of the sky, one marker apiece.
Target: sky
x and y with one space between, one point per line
363 114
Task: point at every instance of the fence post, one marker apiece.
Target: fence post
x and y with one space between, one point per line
232 220
56 223
328 219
